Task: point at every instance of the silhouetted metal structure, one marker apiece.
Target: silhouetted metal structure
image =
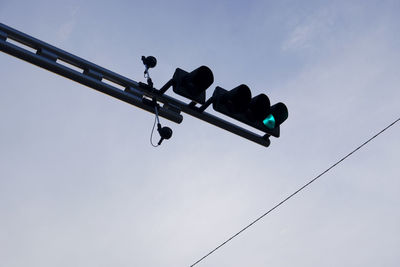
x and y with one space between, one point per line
191 85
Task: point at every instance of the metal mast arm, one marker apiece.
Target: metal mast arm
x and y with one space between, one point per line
82 71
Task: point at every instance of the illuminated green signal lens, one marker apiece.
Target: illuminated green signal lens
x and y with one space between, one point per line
269 121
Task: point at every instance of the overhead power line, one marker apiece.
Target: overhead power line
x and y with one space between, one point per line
294 193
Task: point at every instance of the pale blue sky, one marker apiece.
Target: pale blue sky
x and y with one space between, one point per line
80 185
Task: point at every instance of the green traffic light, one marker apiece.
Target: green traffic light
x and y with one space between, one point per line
269 121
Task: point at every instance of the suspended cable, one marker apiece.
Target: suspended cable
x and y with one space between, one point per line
294 193
165 132
152 131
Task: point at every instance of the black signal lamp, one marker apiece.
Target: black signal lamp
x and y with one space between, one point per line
259 108
193 85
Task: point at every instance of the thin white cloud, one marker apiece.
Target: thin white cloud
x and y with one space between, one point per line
65 30
305 33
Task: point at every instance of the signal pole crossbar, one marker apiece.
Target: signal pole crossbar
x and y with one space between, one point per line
87 73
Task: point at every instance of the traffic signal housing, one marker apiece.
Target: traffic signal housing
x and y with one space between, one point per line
193 85
256 112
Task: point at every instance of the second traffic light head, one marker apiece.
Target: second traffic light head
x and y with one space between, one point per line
238 102
193 85
256 112
235 100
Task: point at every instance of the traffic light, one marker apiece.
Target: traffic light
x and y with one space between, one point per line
256 112
193 85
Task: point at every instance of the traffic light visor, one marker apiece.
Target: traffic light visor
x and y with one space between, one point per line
280 112
199 79
193 84
259 107
238 99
